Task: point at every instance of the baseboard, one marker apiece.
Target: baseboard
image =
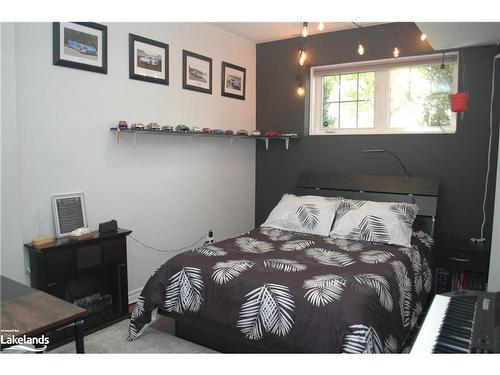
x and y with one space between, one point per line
133 295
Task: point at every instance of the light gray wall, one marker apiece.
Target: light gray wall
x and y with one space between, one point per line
169 192
11 256
494 274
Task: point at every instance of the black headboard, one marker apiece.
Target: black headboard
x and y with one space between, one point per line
422 191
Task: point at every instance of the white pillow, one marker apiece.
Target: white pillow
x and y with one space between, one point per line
374 222
306 214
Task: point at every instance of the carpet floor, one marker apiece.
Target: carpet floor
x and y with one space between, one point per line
113 339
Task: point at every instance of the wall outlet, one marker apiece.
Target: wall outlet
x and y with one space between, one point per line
210 236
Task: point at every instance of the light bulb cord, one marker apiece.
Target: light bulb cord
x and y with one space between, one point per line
489 146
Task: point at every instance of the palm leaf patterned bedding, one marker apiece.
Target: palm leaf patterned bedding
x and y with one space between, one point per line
303 292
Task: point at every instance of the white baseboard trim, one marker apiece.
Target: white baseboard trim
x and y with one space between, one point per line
133 295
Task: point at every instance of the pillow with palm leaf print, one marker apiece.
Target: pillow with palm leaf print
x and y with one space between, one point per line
305 214
382 222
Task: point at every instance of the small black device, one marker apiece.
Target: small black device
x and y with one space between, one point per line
108 227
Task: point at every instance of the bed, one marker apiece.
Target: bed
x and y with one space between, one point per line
270 290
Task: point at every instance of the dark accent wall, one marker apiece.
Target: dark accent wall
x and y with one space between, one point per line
457 160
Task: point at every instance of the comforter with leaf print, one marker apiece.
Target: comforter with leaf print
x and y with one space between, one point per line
302 292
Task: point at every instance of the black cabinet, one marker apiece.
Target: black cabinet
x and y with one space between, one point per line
461 264
91 273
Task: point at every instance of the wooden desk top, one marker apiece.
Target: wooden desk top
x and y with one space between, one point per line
27 311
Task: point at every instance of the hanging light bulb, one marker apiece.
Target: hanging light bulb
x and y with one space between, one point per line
321 26
304 29
300 90
395 51
302 57
423 37
361 49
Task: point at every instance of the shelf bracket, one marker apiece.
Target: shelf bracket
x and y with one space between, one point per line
267 143
135 139
190 140
287 142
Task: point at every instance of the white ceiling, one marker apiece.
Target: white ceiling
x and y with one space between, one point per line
260 32
447 35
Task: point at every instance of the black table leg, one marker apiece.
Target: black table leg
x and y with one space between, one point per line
80 348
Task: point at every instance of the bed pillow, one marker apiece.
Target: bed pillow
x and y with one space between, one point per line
306 214
369 221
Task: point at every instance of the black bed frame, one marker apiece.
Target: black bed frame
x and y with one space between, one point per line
420 190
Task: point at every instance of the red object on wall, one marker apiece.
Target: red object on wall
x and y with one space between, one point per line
459 101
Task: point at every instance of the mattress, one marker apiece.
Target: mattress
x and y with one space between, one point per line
303 292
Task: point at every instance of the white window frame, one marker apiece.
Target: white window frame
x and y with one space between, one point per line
382 94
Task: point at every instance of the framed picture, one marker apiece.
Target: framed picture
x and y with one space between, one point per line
81 45
148 59
196 72
69 213
233 81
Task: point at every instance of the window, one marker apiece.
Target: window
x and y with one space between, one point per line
404 95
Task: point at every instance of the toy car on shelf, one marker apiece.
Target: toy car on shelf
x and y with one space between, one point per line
271 133
122 124
196 130
242 132
153 126
229 132
289 135
206 130
167 128
255 133
137 126
182 128
217 131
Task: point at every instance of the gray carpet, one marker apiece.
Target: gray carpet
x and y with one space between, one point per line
113 339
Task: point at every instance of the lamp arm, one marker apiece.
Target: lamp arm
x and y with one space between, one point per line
400 163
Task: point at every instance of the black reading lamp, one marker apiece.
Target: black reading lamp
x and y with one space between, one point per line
406 175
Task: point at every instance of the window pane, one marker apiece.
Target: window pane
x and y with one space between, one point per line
330 115
366 96
331 88
366 114
419 96
348 87
366 89
348 115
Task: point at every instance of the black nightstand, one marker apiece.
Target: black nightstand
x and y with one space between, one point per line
461 264
91 273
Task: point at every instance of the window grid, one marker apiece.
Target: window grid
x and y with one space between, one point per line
340 101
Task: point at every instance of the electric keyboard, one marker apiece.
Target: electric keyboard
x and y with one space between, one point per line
466 322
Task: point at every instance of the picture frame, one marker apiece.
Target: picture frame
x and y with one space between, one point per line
69 213
196 72
233 81
148 60
80 45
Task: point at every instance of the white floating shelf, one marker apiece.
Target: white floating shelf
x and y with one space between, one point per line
231 137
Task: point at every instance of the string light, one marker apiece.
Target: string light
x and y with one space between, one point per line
304 29
361 49
395 51
302 57
300 90
321 26
423 37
